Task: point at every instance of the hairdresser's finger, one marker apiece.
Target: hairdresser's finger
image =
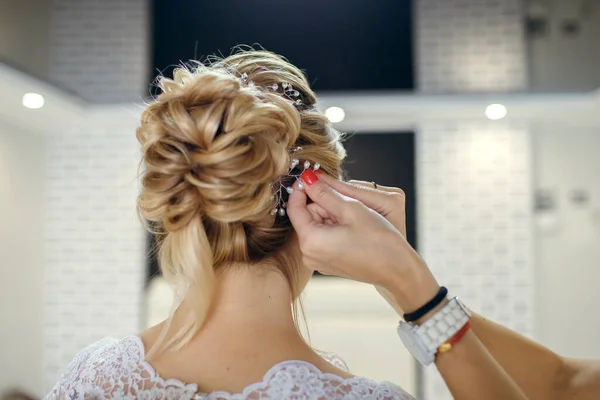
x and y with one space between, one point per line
371 185
316 217
321 213
297 210
371 195
324 195
382 199
386 201
397 199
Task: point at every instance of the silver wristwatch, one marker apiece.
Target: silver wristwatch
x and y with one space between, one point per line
423 341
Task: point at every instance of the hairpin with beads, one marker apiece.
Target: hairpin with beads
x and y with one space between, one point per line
288 90
295 173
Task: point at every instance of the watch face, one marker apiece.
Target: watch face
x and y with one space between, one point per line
414 345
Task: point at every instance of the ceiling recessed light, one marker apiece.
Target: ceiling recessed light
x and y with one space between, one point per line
33 100
495 111
335 114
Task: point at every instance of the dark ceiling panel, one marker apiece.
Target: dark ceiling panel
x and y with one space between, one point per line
342 44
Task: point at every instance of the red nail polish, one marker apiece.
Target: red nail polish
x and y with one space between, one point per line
319 172
309 177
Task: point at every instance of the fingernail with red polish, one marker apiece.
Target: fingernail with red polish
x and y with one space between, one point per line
309 177
319 172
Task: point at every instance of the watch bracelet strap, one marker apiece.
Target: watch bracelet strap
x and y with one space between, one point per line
443 325
449 345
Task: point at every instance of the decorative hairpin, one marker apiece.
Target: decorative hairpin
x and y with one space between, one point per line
288 90
293 171
294 163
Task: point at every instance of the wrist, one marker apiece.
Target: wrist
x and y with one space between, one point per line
414 290
412 285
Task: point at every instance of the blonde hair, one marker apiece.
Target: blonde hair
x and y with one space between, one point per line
212 149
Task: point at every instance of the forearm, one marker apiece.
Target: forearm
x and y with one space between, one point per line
470 372
468 369
541 373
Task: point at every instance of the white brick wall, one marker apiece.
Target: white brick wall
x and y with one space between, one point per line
473 177
469 45
95 246
475 220
99 49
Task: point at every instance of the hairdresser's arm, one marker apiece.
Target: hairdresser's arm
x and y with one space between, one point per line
469 370
541 374
333 224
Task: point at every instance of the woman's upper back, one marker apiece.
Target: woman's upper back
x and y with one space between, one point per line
116 369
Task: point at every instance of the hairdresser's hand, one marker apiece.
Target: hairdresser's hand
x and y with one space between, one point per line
345 232
351 237
389 202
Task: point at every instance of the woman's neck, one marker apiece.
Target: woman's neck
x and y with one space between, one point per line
249 329
251 298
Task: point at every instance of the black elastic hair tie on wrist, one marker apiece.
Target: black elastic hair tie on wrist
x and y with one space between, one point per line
433 303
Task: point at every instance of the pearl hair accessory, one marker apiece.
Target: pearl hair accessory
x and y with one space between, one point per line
288 90
295 173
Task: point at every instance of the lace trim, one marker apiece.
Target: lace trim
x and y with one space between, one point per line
141 359
308 372
117 369
334 359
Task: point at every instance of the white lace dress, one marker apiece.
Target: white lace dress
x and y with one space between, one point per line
115 369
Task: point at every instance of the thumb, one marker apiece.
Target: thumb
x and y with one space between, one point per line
298 211
323 194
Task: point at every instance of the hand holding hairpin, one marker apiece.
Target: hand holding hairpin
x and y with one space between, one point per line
280 209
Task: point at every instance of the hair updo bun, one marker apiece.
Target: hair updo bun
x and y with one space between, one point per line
214 147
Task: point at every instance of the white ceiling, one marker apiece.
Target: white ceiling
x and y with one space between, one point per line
364 111
407 110
60 108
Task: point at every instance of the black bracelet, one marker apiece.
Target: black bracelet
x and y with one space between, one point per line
433 303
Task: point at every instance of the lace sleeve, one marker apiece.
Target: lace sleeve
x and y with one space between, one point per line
115 369
67 387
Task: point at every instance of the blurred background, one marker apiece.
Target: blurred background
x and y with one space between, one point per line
487 113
